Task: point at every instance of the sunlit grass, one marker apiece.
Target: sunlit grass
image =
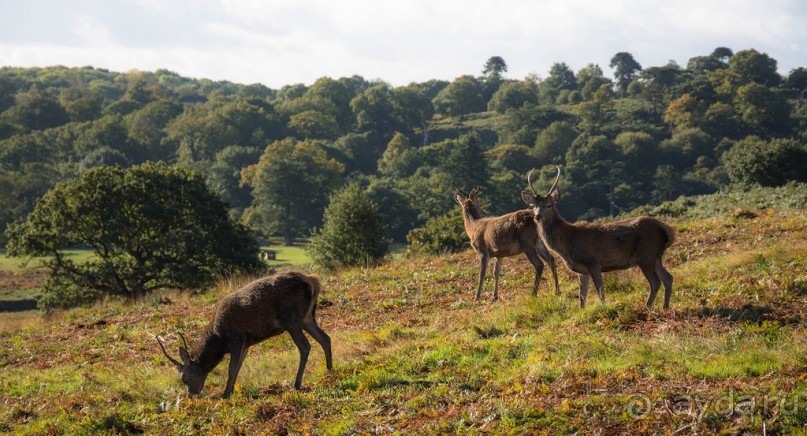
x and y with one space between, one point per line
414 353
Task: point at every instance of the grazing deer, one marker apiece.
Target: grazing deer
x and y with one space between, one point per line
503 236
264 308
590 249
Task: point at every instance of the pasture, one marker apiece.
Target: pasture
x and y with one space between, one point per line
413 352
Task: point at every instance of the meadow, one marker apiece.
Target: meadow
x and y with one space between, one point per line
414 353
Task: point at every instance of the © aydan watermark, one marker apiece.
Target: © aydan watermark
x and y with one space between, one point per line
730 404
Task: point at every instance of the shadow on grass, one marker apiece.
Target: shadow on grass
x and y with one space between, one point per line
17 305
749 313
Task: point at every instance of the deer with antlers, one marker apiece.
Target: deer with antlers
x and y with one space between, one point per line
503 236
264 308
590 249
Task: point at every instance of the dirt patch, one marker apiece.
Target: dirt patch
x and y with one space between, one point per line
22 280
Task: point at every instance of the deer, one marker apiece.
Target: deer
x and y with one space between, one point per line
589 249
262 309
503 236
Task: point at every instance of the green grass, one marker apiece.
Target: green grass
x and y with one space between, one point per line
415 354
294 255
14 264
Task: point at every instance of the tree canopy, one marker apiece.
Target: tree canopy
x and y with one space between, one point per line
150 226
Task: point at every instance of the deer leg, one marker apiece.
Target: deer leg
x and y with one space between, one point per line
483 266
238 351
304 347
667 279
310 325
533 256
583 289
496 270
596 276
649 272
547 256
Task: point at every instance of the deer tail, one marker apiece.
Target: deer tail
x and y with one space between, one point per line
670 233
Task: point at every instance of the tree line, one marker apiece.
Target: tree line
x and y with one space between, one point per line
276 157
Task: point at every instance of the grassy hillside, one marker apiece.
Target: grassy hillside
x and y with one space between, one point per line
415 353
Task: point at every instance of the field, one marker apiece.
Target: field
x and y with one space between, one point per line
414 353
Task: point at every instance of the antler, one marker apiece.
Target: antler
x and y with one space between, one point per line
174 361
555 184
459 191
185 344
474 191
529 182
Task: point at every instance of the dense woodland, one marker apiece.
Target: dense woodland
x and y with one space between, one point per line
276 156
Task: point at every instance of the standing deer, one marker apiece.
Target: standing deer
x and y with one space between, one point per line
264 308
503 236
590 249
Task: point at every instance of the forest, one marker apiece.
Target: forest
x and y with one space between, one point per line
276 156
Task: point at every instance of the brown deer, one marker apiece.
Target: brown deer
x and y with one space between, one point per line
590 249
264 308
503 236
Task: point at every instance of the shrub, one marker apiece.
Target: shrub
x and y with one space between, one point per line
443 234
352 232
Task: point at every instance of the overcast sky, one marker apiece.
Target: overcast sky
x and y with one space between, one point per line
281 42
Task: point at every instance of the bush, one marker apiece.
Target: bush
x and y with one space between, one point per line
443 234
352 232
151 226
773 163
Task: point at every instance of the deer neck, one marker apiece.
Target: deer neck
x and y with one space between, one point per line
554 230
469 217
210 350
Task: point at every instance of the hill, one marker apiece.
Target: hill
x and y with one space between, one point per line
415 353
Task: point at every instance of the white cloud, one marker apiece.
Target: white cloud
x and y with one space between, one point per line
280 42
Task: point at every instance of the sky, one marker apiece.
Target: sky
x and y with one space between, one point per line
284 42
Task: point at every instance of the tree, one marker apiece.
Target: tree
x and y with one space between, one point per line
685 111
597 112
397 214
36 111
313 124
224 175
626 70
340 94
560 77
513 95
352 232
465 164
146 127
461 97
553 142
374 110
753 66
768 163
762 108
494 67
150 227
589 79
413 107
291 184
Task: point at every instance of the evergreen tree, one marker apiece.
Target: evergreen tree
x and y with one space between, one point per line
352 232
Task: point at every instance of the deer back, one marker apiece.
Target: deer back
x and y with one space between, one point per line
620 244
503 235
260 309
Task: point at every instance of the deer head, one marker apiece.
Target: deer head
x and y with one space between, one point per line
469 202
193 375
542 205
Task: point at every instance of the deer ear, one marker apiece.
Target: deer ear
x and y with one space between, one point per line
459 198
555 196
528 198
186 358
